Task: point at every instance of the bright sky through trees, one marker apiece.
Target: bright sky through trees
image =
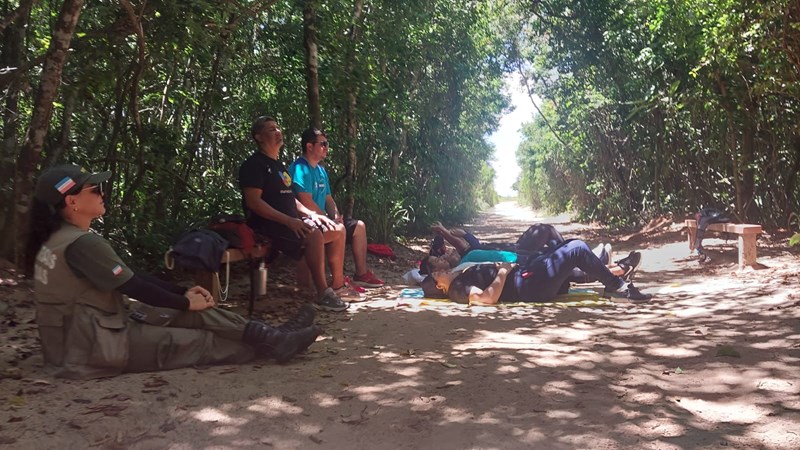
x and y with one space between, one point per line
508 137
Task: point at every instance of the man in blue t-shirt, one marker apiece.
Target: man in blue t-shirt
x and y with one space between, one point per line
313 189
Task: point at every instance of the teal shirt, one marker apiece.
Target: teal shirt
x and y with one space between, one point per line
312 180
479 256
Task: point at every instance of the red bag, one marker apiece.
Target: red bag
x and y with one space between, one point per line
233 228
381 250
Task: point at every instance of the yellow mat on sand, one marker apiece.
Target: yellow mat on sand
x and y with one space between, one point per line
575 298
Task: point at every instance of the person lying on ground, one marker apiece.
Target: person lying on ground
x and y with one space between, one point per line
312 187
532 279
536 239
624 268
298 232
84 323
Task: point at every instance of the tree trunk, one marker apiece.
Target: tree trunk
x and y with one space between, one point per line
746 185
351 121
12 55
62 144
42 111
312 63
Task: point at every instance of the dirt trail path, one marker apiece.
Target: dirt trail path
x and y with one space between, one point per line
712 362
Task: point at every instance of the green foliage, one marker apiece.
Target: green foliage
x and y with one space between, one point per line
174 126
794 222
663 107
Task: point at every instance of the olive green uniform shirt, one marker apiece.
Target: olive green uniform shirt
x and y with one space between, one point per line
84 325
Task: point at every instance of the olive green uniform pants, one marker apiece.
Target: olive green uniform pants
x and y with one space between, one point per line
211 336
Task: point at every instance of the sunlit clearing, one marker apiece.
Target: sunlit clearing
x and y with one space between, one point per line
777 385
325 400
499 340
225 431
274 407
558 388
562 414
723 411
673 352
377 392
217 416
654 429
456 415
507 369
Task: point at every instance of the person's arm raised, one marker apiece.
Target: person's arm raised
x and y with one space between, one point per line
460 244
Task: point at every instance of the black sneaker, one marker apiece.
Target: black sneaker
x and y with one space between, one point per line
303 318
630 293
629 264
330 302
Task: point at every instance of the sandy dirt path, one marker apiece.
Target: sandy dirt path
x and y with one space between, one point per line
711 362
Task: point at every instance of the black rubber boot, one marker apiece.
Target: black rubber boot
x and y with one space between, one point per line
304 318
271 342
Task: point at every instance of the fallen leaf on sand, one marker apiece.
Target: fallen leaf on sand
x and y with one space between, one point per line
106 410
155 381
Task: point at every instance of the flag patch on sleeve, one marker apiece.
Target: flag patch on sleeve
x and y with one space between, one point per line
65 184
116 270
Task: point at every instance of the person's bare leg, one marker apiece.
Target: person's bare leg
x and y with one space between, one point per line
302 274
315 259
359 248
334 250
616 269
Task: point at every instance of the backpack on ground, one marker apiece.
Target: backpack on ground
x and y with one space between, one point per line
199 250
234 229
537 237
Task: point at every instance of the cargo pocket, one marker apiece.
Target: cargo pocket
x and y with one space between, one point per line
51 332
110 346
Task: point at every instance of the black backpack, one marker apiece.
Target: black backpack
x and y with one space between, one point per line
199 250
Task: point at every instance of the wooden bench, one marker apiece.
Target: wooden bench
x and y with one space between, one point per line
210 280
746 232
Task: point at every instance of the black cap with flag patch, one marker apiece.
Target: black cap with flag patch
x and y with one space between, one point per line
57 182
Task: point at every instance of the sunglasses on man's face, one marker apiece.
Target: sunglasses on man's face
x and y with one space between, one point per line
323 143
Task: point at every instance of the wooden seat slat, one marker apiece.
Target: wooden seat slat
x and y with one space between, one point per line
747 233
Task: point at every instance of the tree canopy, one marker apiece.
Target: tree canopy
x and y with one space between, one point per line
648 107
662 107
163 94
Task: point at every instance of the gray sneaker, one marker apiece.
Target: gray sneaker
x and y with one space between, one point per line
347 293
329 301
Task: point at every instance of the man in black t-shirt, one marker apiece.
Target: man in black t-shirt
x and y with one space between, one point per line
272 210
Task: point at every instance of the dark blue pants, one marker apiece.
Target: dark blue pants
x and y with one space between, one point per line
542 278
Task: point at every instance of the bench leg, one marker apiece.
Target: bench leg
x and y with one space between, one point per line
747 250
692 233
210 281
